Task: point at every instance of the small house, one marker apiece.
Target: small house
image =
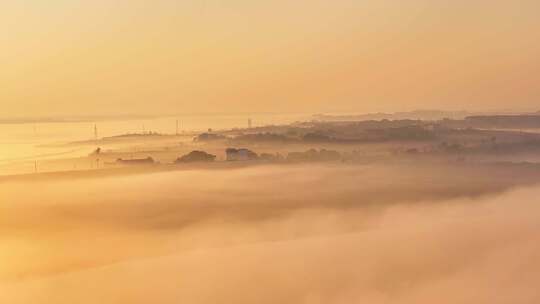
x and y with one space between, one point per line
240 154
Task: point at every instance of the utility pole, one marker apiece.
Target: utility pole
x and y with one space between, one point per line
95 132
249 123
177 127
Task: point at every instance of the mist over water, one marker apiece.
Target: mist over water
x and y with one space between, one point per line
28 139
267 234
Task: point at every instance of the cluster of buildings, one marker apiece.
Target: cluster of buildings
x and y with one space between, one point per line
242 154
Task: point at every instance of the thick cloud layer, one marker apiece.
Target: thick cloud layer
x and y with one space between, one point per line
297 234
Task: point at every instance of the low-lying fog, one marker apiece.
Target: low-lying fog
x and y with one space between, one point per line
274 234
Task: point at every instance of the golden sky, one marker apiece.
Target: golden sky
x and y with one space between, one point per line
62 57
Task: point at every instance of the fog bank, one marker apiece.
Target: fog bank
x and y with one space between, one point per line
325 234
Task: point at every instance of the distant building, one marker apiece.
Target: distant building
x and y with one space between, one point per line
136 161
208 137
240 154
196 156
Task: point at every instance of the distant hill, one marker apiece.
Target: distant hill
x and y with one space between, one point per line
414 115
505 121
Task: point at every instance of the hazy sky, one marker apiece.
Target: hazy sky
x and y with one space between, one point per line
163 56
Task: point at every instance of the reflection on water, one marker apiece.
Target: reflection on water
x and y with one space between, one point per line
26 143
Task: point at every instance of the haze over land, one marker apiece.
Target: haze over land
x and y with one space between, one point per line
307 151
390 211
300 234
